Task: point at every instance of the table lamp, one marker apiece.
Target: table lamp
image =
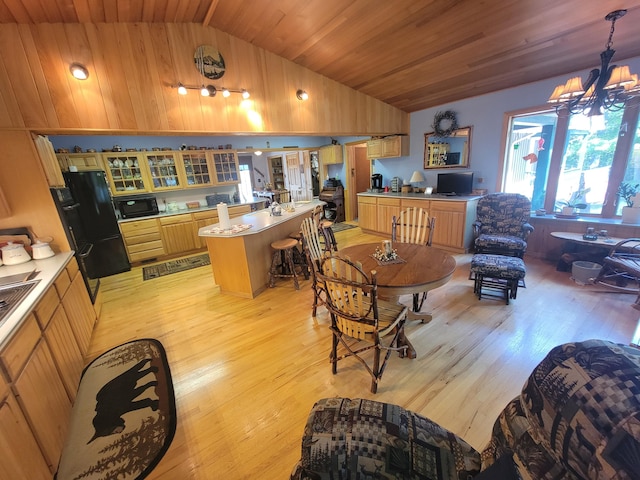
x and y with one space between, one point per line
417 177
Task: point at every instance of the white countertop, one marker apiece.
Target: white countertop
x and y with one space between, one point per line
421 196
261 220
190 210
48 270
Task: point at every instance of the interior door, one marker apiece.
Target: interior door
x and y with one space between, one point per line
295 178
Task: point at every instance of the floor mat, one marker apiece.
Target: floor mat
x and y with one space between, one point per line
124 415
174 266
339 227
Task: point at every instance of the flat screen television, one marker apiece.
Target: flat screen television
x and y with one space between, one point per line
460 183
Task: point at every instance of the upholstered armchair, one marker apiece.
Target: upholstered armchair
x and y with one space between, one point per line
502 224
577 417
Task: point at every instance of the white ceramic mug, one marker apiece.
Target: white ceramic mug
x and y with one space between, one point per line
428 190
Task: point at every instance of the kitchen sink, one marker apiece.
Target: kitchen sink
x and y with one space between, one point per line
12 295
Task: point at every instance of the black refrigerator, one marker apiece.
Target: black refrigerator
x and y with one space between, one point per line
90 221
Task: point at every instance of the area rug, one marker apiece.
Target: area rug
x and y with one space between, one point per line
174 266
124 415
340 227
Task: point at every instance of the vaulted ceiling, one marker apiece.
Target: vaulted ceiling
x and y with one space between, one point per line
412 54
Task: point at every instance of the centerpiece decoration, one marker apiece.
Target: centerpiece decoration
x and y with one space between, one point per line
386 254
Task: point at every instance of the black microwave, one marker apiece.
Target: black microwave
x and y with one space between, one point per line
132 207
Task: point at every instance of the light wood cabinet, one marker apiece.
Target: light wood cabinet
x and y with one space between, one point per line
203 219
44 402
330 154
226 167
142 239
453 225
164 171
49 161
276 173
387 209
177 234
21 456
198 168
5 211
125 173
367 216
80 313
388 147
81 161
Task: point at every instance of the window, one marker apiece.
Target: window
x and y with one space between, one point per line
591 157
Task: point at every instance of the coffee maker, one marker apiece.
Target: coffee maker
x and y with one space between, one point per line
376 183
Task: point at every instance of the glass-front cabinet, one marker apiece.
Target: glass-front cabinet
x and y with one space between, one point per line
163 169
197 168
126 173
225 164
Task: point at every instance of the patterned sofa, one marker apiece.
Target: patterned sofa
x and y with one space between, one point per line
577 417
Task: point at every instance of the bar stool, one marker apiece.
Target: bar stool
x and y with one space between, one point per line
283 251
299 258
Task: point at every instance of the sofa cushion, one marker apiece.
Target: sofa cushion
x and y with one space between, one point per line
578 416
360 438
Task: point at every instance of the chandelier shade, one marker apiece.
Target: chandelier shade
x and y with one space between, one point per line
606 88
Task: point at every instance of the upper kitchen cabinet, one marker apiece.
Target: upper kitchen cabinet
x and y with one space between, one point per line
125 173
81 161
330 154
163 170
49 161
197 166
225 164
388 147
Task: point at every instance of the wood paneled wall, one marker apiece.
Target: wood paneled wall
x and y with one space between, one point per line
131 70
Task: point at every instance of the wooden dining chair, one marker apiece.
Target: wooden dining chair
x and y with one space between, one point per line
413 225
314 252
359 319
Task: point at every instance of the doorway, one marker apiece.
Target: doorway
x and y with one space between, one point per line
358 176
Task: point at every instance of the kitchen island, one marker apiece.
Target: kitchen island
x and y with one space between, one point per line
241 261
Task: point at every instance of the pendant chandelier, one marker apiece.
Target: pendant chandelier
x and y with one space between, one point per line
606 88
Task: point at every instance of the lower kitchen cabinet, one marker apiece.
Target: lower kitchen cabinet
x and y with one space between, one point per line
454 218
177 234
202 219
21 457
80 313
142 239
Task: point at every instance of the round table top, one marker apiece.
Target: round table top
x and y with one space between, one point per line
424 269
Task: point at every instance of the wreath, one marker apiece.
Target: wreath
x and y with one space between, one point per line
444 123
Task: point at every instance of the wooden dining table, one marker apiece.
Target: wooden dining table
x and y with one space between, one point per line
422 269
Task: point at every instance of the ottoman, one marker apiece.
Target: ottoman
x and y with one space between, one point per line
497 272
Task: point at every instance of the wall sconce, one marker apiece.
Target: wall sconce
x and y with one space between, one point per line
210 90
302 95
79 71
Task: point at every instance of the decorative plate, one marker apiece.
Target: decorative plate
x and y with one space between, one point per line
209 62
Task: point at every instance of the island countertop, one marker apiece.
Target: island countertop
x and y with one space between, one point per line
241 261
261 220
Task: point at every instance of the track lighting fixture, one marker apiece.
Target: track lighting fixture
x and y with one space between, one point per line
79 71
210 90
302 95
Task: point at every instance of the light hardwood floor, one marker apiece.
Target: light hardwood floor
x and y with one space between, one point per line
247 372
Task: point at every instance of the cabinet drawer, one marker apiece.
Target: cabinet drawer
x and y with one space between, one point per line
72 268
391 202
50 301
139 227
138 239
4 389
449 206
62 283
417 203
144 246
172 220
146 255
372 200
206 215
16 353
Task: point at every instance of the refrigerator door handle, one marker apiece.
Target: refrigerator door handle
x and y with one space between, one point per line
86 251
68 208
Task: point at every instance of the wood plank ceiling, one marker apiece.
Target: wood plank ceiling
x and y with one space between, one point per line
412 54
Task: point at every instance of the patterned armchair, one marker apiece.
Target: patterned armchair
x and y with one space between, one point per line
502 224
577 417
